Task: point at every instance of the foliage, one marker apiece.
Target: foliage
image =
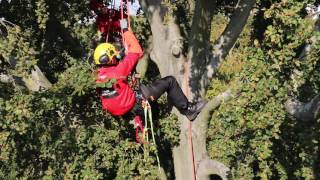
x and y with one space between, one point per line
63 133
260 140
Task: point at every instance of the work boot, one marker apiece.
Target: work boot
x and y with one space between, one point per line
194 109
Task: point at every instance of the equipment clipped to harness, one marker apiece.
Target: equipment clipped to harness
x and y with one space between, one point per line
144 130
139 129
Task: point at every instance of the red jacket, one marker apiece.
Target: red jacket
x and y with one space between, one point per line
108 21
125 100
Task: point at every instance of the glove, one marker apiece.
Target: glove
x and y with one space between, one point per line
121 54
123 24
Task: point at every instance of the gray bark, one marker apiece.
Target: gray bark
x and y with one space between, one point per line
166 38
38 81
35 82
206 167
182 153
209 167
167 54
199 44
143 63
313 39
229 37
308 111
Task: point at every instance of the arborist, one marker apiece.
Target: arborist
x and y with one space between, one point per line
107 20
121 98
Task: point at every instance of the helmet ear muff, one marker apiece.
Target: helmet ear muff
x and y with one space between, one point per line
104 59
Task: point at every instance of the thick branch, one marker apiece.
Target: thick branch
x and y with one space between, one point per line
200 135
313 39
143 63
36 82
148 7
304 111
201 123
166 38
199 41
214 103
209 167
311 110
200 29
229 37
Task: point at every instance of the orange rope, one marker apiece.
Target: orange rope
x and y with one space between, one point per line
186 88
192 153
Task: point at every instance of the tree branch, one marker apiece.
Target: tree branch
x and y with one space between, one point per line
199 41
313 39
143 63
209 167
200 125
229 37
304 111
166 38
153 10
311 110
214 103
36 82
200 29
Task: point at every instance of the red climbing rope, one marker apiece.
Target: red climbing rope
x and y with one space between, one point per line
186 88
192 153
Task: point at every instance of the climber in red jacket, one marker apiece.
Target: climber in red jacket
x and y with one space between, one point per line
121 98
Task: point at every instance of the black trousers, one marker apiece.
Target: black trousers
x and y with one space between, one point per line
175 94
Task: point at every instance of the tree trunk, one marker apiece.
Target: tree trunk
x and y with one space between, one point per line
167 54
199 45
167 42
183 155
